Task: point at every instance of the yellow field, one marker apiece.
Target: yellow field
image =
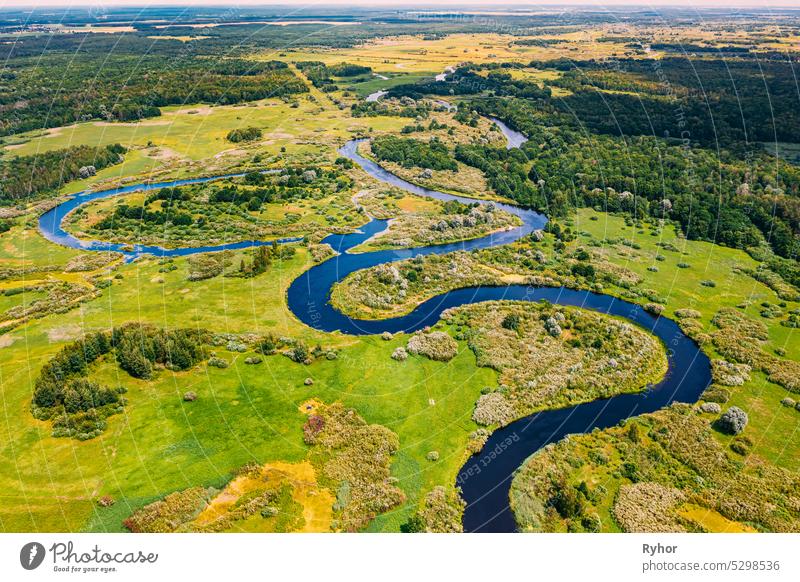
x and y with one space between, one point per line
190 140
413 54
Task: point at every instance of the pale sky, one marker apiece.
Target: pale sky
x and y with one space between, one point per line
451 4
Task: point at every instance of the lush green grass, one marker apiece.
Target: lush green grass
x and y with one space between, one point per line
682 286
25 247
243 413
364 88
773 427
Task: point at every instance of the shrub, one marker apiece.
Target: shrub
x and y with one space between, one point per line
400 354
436 345
269 344
189 396
164 515
567 501
299 353
687 313
648 507
432 456
729 374
357 458
217 362
441 512
511 321
741 445
711 408
244 134
788 402
716 394
733 420
492 409
654 308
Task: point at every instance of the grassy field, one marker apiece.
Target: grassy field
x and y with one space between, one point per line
243 413
414 54
247 413
189 141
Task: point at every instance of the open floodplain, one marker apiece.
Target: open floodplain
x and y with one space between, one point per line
402 277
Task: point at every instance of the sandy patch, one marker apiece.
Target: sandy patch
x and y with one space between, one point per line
64 333
130 123
6 340
199 110
317 502
164 154
233 152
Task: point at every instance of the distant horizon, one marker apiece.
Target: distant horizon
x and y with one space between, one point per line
401 4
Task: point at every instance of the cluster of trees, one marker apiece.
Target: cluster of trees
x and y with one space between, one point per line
138 348
263 257
323 76
506 172
669 132
174 216
179 206
468 80
711 101
412 109
244 134
26 177
410 152
58 89
79 406
62 383
713 195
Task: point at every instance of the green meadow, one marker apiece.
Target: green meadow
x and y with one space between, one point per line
243 413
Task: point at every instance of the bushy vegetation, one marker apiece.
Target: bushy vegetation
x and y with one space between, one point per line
409 152
244 134
440 513
255 207
354 459
78 407
166 515
740 339
130 85
26 177
551 356
436 345
661 472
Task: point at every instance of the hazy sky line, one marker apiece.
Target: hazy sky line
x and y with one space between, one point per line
451 4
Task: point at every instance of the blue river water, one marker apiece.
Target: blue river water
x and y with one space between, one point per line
485 479
51 223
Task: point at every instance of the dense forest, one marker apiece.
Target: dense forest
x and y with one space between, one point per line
627 152
409 152
57 90
26 177
712 101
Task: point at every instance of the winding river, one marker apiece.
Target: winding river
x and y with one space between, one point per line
485 479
